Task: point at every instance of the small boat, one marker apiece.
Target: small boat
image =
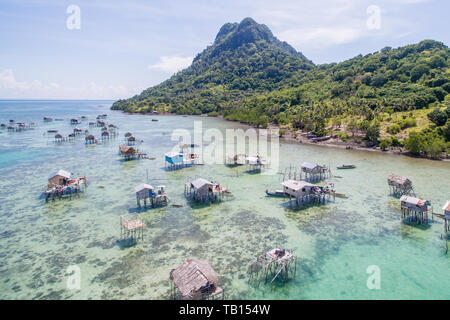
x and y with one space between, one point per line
339 195
155 120
347 166
276 193
176 205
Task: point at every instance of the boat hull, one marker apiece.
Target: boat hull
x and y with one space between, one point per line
275 194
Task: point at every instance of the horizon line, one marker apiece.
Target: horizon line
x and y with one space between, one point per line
2 99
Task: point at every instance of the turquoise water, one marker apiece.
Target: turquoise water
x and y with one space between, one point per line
334 243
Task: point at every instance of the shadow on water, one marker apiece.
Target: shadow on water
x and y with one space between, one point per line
126 243
144 209
293 207
422 226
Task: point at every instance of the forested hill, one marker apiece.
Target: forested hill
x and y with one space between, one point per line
248 75
244 58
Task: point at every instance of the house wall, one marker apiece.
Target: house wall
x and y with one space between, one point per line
143 193
298 193
56 180
413 207
203 190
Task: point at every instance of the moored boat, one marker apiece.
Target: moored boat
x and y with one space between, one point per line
347 166
339 195
276 193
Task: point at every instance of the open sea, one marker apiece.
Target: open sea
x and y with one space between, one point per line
334 243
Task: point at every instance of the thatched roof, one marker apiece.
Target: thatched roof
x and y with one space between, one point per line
143 186
128 134
105 133
310 166
131 138
396 180
414 201
192 275
61 173
90 137
127 150
58 136
200 182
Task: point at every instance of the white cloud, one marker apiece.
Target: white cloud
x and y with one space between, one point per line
412 1
172 64
8 81
320 37
309 25
10 88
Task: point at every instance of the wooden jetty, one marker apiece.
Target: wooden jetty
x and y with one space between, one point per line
303 192
415 209
156 197
202 190
131 229
60 185
274 264
195 280
399 186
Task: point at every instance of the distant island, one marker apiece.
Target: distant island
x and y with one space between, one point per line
394 99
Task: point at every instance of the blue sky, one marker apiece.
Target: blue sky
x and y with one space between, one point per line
123 47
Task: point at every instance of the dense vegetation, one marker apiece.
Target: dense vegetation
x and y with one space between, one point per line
250 76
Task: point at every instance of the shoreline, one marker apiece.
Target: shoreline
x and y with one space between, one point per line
332 142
